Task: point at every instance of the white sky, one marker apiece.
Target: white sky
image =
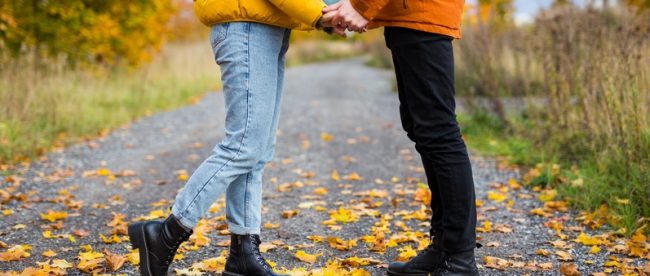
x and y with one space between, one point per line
525 10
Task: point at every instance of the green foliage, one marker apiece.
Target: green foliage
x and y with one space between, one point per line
110 32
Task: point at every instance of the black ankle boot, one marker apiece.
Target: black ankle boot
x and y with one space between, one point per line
245 258
458 264
157 242
426 262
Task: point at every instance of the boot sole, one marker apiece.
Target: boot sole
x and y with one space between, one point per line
391 273
226 273
136 236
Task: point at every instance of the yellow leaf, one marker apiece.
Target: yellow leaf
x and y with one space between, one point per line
112 239
496 263
269 225
326 137
638 236
487 227
90 265
497 196
306 257
54 216
353 177
133 257
104 172
340 244
595 249
15 253
423 194
355 261
7 212
344 215
49 253
316 238
90 255
514 184
62 264
336 176
588 240
547 195
406 253
320 191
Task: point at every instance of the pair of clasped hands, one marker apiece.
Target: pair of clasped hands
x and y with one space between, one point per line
342 16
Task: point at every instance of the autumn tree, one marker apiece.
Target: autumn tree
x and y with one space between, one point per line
110 32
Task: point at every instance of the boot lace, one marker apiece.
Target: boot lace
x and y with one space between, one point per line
175 244
258 255
445 267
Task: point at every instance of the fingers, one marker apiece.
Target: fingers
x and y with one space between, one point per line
340 31
356 25
332 7
326 19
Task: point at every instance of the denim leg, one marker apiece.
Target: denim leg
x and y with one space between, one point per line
244 213
247 54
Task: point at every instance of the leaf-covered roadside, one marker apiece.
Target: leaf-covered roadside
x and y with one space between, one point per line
394 214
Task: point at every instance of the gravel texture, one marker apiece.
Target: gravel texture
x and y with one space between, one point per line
354 103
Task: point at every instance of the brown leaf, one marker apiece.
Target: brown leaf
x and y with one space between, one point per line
114 261
569 269
563 255
290 213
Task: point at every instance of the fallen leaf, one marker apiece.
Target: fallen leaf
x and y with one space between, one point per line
563 255
569 269
49 253
326 137
114 261
290 213
306 257
53 216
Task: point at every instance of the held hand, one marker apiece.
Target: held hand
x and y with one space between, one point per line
347 17
330 27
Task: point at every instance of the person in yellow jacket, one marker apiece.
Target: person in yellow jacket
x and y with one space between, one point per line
249 40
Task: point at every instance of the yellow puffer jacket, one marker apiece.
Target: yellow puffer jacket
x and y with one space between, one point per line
292 14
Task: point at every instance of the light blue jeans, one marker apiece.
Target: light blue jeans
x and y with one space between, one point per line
251 57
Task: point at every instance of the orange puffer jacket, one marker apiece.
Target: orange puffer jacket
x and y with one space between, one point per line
434 16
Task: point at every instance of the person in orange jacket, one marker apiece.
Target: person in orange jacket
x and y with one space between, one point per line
419 34
249 40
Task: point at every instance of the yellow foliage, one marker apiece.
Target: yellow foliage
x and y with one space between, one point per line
54 216
306 257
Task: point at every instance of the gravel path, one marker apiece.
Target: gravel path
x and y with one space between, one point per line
352 103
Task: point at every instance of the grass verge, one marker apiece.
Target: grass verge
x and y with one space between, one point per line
46 104
602 184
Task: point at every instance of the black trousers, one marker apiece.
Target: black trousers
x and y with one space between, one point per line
424 66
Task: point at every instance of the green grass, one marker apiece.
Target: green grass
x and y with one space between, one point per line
49 106
587 183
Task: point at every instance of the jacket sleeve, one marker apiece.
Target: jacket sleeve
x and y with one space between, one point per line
307 12
368 8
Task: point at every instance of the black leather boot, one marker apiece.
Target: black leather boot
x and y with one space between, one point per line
157 242
426 262
458 264
245 258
